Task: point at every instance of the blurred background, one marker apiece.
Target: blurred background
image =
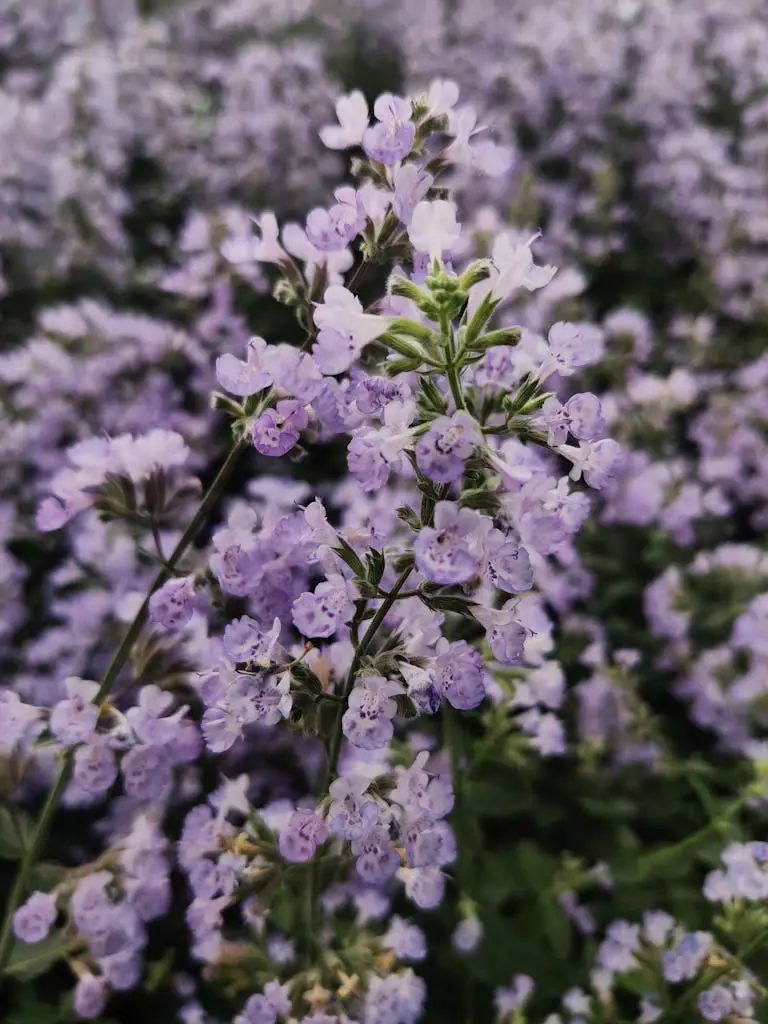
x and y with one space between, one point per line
137 135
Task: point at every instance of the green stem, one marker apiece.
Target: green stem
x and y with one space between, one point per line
119 658
455 384
334 747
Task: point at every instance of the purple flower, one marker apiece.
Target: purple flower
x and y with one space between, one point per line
429 844
598 461
352 812
332 230
146 772
682 962
391 140
377 860
461 676
505 634
277 430
90 995
716 1003
95 768
442 452
326 610
367 722
581 415
244 640
423 886
507 1000
74 720
305 831
53 513
258 1010
15 717
395 997
443 553
467 934
507 564
411 186
407 941
246 378
173 604
572 346
33 920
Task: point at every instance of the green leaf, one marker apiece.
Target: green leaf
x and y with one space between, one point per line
29 961
15 833
536 866
556 927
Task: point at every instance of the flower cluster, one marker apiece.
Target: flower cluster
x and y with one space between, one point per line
424 629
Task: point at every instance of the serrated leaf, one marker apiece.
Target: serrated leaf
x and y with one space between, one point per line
306 678
27 961
376 565
351 557
448 603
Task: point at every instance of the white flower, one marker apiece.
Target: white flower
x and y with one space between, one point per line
485 155
434 228
352 112
341 311
255 249
442 97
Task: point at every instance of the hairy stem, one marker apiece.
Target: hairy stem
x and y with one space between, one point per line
119 658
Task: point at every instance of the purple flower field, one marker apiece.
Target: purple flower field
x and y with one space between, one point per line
383 511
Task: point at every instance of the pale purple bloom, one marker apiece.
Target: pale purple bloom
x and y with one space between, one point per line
74 720
277 430
581 416
367 722
505 634
461 676
597 461
146 772
507 1000
443 552
572 346
395 997
407 941
411 186
322 613
90 995
716 1003
299 839
508 564
173 604
467 934
245 377
352 812
258 1010
245 640
377 860
442 452
15 717
95 768
391 139
34 918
